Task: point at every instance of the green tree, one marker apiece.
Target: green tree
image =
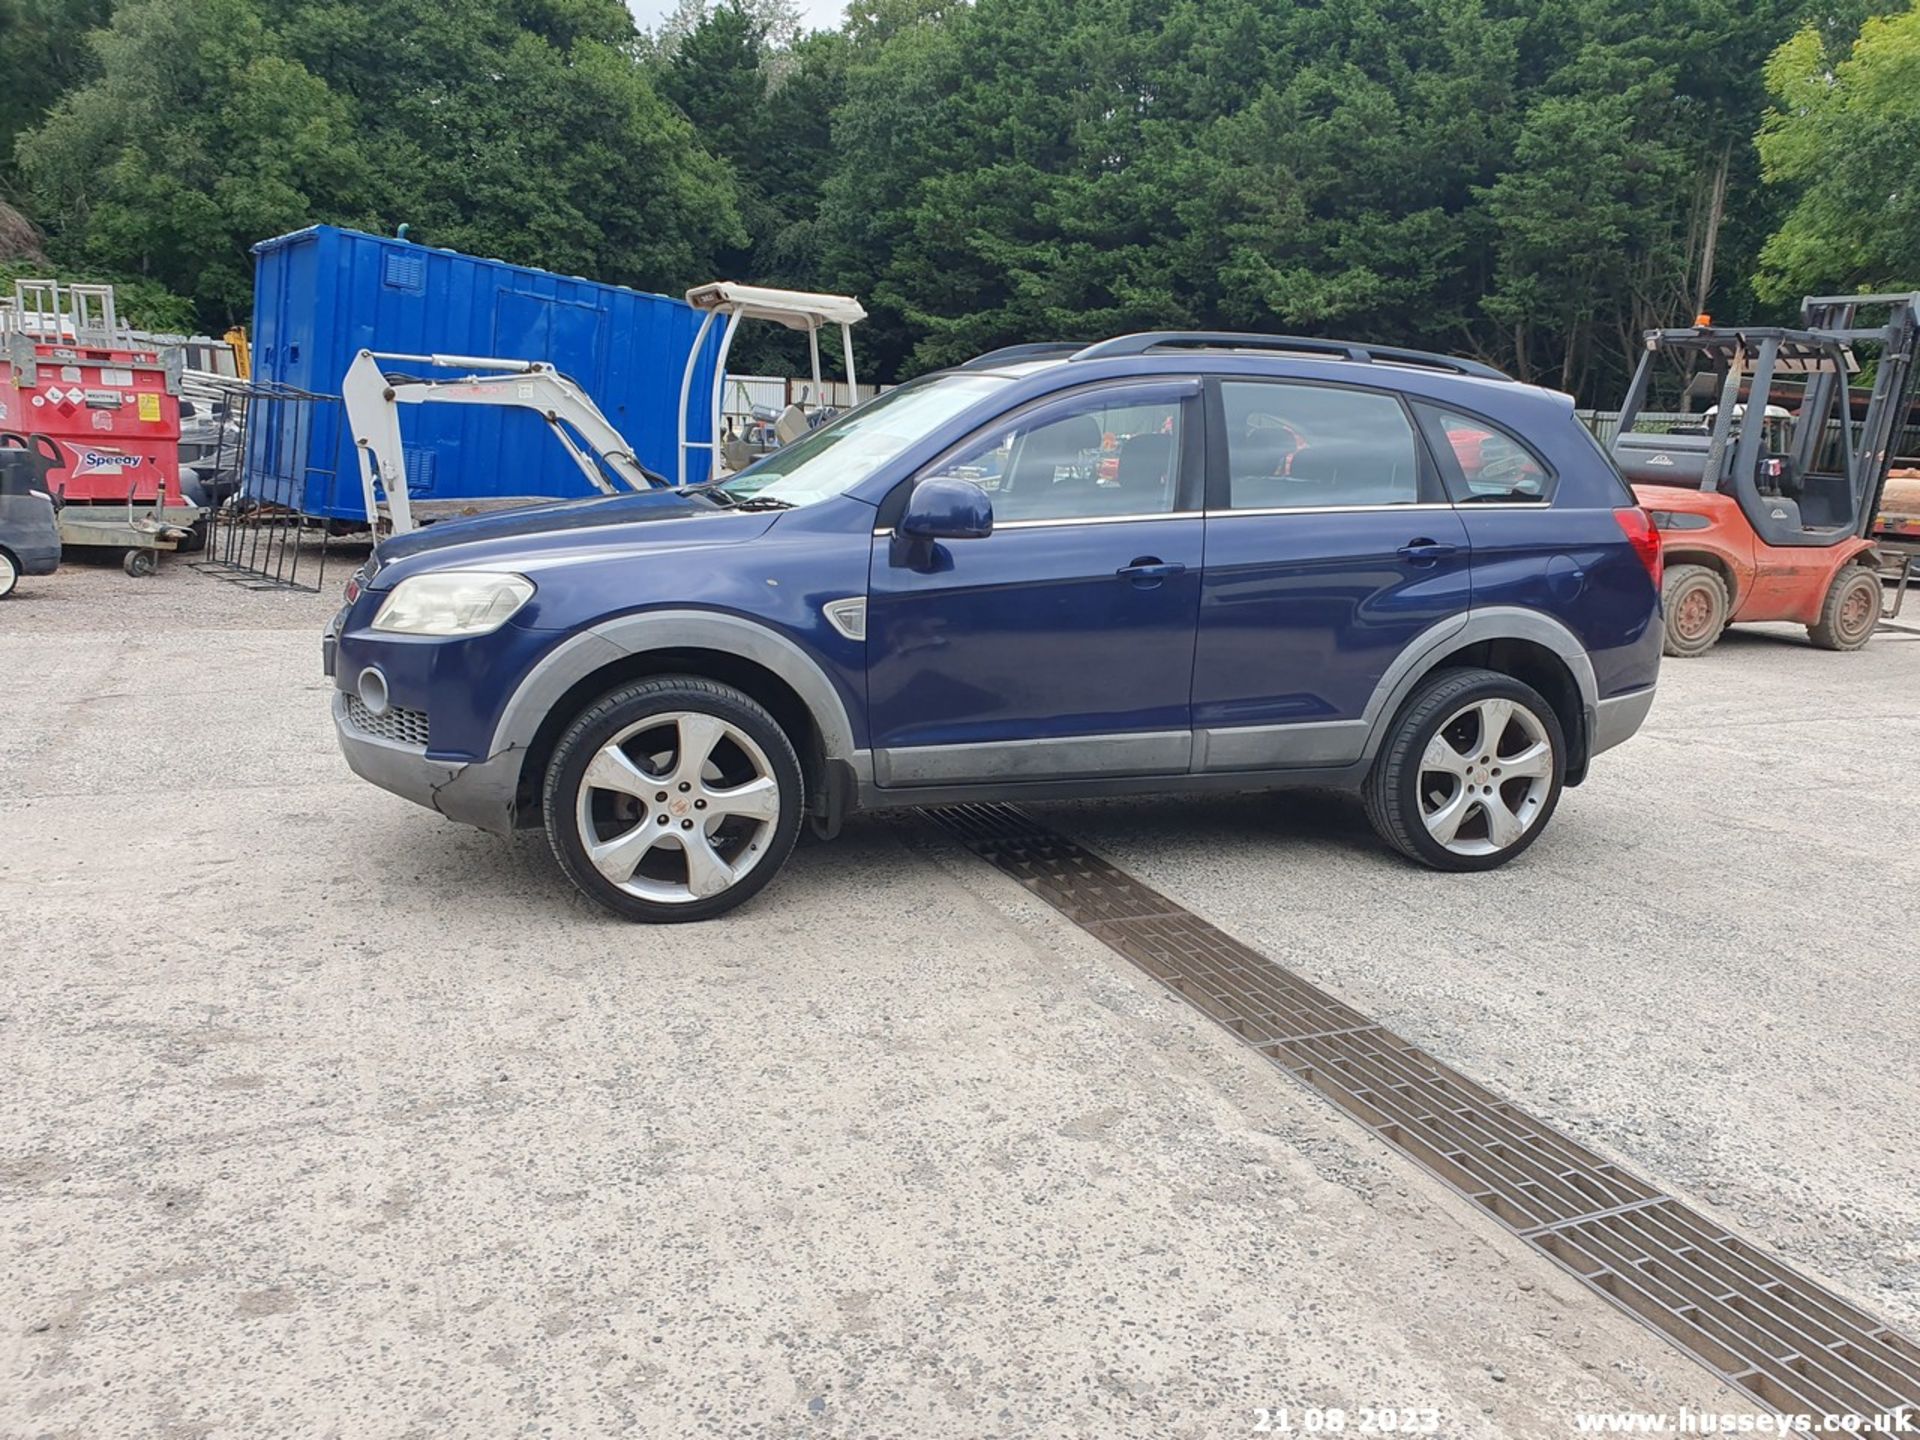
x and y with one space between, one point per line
1349 196
522 129
1529 181
1845 137
43 53
1588 248
766 111
717 76
1022 169
196 138
900 69
795 157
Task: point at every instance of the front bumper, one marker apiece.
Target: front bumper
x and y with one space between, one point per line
479 793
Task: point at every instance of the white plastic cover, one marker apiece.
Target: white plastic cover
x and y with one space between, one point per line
796 309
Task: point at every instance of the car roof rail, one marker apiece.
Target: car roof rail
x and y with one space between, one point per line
1013 354
1151 340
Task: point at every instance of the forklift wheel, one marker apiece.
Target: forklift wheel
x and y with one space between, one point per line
140 563
1851 611
1695 601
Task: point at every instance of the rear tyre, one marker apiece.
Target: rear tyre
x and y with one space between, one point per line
1470 773
1850 612
9 575
673 799
1694 600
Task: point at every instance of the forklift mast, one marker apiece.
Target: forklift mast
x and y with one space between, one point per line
1893 381
1789 499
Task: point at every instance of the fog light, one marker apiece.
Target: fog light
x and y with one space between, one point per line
373 691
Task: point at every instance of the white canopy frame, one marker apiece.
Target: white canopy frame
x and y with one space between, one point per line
795 309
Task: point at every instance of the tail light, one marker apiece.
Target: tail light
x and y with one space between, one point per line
1639 529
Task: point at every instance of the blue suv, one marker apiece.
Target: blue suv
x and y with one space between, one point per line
1164 562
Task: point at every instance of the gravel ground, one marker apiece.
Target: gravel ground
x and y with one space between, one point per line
88 594
320 1116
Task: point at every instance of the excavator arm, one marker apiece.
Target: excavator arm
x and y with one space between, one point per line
373 398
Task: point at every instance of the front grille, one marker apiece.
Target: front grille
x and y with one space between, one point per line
399 724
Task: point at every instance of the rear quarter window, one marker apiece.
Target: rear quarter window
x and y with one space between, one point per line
1484 463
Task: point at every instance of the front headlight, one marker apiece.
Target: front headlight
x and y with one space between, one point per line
453 602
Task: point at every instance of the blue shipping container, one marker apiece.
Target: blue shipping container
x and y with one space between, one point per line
323 294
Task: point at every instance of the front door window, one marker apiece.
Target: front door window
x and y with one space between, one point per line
1102 454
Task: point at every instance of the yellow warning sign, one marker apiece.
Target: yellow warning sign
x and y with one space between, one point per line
149 407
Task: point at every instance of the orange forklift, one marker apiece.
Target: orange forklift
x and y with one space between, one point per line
1766 501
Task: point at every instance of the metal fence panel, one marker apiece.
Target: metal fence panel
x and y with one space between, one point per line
746 393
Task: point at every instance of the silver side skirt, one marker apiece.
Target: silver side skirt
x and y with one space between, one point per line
1155 752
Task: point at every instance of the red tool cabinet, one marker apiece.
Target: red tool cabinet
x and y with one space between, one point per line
111 407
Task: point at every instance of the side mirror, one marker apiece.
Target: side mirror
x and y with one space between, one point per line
944 508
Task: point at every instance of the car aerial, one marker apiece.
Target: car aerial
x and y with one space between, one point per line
1171 563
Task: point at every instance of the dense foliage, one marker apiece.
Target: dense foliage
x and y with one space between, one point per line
1527 181
1844 137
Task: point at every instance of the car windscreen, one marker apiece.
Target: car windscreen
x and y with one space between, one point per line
845 451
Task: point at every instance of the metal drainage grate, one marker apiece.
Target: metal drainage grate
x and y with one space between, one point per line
1749 1319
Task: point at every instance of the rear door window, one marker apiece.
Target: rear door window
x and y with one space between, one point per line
1292 446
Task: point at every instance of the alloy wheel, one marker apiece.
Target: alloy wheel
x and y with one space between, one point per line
1485 777
677 807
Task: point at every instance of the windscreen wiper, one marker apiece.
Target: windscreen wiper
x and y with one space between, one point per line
711 490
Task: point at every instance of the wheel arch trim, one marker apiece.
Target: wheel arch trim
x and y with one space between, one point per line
580 655
1494 622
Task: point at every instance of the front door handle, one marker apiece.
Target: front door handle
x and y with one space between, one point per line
1149 570
1426 552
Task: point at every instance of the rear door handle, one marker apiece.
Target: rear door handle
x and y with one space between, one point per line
1425 552
1150 570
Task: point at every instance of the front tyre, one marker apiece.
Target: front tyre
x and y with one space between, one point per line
1470 773
673 799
